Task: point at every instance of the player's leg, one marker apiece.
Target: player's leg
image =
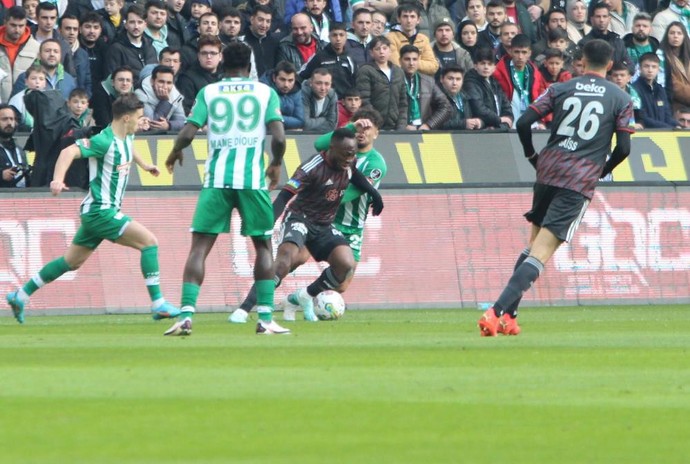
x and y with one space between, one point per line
355 242
74 257
136 235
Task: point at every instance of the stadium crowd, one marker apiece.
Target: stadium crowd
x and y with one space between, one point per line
424 65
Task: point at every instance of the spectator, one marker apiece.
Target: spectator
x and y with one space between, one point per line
639 42
78 104
446 50
47 14
348 106
320 102
622 16
283 79
379 23
382 85
674 73
157 24
13 163
170 57
320 21
35 80
663 19
359 38
476 14
302 44
520 80
601 19
620 75
682 115
203 72
558 39
178 34
516 13
405 32
577 26
508 31
230 25
467 38
69 29
293 7
56 77
259 37
162 101
491 36
552 67
384 8
578 64
334 58
113 24
131 48
30 7
486 98
655 111
461 114
248 9
18 50
208 25
198 9
120 82
427 106
430 12
553 20
92 42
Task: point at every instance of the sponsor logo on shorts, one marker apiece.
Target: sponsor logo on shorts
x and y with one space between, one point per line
299 228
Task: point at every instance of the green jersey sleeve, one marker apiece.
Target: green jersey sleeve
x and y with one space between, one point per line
273 109
374 168
324 141
199 114
96 146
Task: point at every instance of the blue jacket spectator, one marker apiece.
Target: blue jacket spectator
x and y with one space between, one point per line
655 111
283 79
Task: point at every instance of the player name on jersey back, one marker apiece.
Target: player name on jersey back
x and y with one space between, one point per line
233 142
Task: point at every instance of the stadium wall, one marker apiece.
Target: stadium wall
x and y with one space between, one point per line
449 248
439 158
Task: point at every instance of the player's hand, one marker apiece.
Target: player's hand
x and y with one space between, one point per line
273 174
363 123
56 187
377 204
153 170
533 160
175 155
8 174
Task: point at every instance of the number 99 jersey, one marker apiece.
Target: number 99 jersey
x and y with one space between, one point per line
235 111
587 111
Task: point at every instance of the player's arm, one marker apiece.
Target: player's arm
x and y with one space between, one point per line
153 169
281 202
524 130
277 130
360 181
183 140
64 161
620 152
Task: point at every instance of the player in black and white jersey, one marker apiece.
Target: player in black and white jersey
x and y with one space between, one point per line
587 111
318 186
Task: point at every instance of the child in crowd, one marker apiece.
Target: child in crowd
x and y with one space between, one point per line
656 110
30 9
112 18
578 65
620 75
198 9
348 106
35 80
78 104
552 67
486 98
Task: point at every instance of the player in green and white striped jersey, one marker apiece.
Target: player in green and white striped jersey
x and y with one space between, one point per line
236 112
110 156
354 206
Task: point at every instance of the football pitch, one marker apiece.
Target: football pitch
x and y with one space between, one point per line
579 385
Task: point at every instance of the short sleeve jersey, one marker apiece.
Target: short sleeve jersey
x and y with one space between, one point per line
352 215
587 111
110 159
319 188
236 112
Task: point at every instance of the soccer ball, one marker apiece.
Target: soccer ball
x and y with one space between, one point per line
329 305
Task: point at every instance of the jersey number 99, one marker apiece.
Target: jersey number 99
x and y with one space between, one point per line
225 116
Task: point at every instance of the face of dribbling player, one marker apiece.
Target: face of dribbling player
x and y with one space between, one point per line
342 153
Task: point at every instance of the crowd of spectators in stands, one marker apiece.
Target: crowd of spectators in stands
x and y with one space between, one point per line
424 64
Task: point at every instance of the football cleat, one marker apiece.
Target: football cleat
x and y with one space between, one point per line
488 323
290 306
17 306
507 325
165 311
270 328
306 302
238 316
182 328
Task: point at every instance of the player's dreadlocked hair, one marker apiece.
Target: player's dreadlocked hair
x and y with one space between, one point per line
236 56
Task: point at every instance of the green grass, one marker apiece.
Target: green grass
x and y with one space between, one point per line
579 385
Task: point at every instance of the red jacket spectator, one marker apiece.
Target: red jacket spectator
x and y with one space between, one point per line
344 115
537 83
